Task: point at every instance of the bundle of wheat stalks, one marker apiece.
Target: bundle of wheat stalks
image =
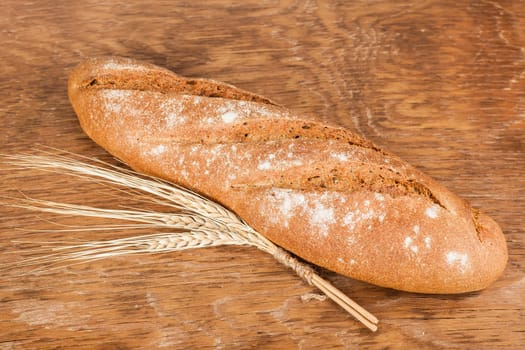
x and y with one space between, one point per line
198 222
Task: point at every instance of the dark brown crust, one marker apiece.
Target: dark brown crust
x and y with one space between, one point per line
165 81
320 191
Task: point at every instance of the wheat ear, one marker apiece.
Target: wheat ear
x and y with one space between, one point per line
199 221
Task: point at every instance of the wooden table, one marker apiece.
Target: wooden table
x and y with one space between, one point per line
440 83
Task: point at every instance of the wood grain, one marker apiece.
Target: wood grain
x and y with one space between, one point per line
440 83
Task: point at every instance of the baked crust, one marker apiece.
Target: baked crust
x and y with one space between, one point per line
320 191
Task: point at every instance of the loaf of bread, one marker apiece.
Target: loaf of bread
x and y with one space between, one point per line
317 190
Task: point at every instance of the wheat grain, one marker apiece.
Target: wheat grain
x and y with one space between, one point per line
200 222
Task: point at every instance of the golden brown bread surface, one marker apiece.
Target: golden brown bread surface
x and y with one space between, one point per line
320 191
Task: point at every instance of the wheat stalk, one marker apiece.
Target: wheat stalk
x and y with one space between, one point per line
200 222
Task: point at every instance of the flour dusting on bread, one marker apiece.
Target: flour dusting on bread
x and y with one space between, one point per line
324 193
